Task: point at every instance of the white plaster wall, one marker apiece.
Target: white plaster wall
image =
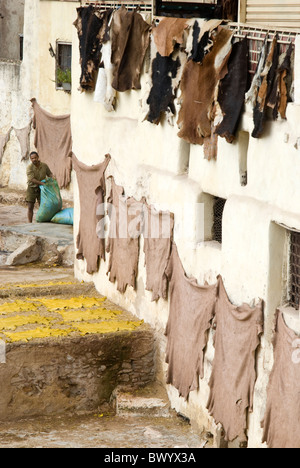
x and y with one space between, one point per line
152 161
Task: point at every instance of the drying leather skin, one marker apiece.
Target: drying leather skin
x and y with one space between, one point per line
198 86
281 421
158 229
4 138
233 377
23 136
130 40
162 94
92 188
168 33
92 30
265 90
232 89
123 241
53 141
191 313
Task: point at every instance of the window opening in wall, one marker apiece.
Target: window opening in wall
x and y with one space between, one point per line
63 65
217 228
294 270
21 46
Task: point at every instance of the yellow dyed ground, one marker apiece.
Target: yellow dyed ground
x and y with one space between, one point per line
17 306
38 285
56 317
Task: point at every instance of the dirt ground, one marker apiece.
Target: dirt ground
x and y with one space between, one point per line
100 431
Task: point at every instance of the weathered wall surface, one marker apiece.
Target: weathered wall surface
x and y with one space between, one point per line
151 161
45 22
11 27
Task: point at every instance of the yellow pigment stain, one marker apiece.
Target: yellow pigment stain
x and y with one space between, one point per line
17 306
73 303
107 327
80 316
38 285
37 333
11 323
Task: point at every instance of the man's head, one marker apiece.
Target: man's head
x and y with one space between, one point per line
34 158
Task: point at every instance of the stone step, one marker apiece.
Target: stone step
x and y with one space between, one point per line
150 401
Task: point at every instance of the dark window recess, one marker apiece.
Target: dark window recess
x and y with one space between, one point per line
218 219
294 292
21 46
187 10
63 60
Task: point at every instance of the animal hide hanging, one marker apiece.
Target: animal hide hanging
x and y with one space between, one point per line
130 39
237 337
123 242
92 29
23 136
279 99
104 92
191 313
281 421
4 138
251 94
162 93
53 141
90 241
198 85
232 90
202 39
158 229
168 33
266 89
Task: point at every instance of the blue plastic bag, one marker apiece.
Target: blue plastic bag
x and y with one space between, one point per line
64 216
51 202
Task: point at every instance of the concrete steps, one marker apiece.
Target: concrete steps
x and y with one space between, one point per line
67 351
149 401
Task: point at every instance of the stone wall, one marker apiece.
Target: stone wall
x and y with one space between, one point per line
73 374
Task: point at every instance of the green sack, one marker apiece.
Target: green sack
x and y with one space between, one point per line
64 217
51 202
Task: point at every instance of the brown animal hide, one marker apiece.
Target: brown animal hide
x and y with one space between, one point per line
158 236
92 29
168 33
191 312
123 242
281 97
4 138
251 95
53 141
130 40
198 86
202 39
232 89
281 422
233 375
90 240
23 136
266 90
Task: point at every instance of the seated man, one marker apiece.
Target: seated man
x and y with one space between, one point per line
36 172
